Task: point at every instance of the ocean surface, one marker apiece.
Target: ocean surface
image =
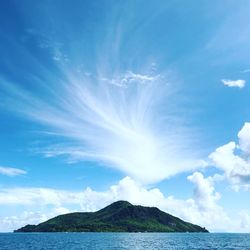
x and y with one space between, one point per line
132 241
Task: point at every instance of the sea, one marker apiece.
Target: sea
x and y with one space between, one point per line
131 241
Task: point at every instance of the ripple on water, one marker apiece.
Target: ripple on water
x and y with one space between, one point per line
113 241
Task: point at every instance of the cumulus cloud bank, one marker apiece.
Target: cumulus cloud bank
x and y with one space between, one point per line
234 159
127 121
201 209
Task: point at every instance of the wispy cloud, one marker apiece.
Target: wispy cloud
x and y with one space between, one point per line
128 121
11 171
130 78
234 83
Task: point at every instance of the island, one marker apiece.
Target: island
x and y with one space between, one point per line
120 216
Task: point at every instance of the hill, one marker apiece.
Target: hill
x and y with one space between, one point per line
120 216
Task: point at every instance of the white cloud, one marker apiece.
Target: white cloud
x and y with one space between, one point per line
10 223
244 138
244 221
201 209
234 83
204 192
136 130
130 78
11 171
38 196
234 159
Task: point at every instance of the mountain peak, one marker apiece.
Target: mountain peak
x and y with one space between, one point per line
120 203
120 216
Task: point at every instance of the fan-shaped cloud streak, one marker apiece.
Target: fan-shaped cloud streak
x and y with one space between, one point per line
125 121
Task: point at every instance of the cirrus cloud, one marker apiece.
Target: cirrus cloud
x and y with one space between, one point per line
11 171
126 121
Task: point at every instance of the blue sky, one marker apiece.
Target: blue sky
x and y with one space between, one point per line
143 101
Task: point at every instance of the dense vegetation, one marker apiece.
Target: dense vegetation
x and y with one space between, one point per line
120 216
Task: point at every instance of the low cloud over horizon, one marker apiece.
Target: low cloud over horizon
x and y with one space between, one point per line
202 208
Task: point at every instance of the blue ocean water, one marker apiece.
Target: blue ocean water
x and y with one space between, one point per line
132 241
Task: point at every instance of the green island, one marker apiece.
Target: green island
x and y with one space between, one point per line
120 216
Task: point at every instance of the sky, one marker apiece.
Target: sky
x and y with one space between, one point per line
125 100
